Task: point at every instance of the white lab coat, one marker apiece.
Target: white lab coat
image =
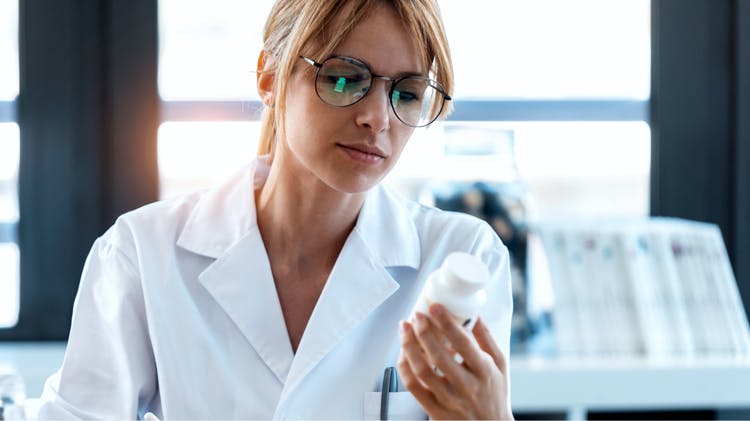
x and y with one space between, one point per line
177 312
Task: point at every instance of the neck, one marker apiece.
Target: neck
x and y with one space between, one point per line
300 218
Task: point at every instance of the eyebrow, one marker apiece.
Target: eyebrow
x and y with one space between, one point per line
405 74
369 66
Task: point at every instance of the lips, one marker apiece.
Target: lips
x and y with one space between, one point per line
367 149
363 154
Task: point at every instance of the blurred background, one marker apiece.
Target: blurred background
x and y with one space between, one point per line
577 125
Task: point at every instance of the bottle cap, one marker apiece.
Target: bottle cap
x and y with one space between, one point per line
464 273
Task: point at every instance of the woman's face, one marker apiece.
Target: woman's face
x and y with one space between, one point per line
350 149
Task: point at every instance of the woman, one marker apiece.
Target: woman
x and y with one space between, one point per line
282 292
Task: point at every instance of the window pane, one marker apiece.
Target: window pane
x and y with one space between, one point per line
8 285
198 155
531 49
209 50
527 49
570 169
580 169
9 269
8 49
9 156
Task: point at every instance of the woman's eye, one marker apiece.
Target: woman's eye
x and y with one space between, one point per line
344 83
405 96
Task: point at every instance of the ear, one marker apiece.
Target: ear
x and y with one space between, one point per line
265 79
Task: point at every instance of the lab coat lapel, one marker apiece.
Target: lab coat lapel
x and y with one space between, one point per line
356 287
384 236
241 282
223 226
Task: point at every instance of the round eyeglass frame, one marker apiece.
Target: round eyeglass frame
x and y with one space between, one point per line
431 82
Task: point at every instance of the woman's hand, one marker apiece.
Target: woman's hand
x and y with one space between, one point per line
477 388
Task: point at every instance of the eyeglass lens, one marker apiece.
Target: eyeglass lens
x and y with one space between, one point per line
342 82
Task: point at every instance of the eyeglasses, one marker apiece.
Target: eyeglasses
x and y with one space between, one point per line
344 81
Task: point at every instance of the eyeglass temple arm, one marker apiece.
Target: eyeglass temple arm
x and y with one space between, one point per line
311 61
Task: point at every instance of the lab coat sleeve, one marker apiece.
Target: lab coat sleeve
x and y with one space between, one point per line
498 310
108 371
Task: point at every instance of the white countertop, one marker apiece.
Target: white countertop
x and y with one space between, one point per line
34 361
630 384
538 385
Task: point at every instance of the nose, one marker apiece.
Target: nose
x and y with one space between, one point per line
374 110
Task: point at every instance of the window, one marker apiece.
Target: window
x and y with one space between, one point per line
542 49
207 56
9 159
208 50
570 169
8 52
570 81
187 160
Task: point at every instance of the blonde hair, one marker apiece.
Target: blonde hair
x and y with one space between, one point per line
294 25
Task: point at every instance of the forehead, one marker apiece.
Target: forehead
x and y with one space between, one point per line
383 41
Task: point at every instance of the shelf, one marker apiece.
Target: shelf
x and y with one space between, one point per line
578 386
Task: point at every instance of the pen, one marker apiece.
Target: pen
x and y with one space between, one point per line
390 384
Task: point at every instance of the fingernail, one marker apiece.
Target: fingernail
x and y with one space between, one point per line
402 327
419 316
436 309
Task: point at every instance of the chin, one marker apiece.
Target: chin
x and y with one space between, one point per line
355 183
356 188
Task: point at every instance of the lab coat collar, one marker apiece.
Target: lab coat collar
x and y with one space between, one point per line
222 215
223 226
225 214
387 228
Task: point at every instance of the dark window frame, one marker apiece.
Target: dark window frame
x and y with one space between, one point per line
88 112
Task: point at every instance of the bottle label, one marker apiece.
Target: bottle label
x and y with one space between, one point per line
466 323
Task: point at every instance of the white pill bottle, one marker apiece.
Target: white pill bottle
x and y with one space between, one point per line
458 284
